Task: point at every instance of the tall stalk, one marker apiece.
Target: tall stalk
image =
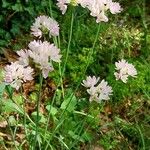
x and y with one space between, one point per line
37 109
142 12
92 50
89 57
57 43
61 75
69 42
24 116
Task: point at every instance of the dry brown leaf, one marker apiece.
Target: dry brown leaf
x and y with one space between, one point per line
3 124
98 148
20 136
10 55
28 87
3 134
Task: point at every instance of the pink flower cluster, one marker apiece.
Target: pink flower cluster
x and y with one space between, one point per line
124 70
43 53
16 74
102 91
97 93
40 53
44 24
98 8
62 4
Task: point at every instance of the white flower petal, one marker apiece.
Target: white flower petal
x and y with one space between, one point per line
16 74
124 69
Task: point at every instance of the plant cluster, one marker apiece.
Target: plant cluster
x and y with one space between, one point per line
67 118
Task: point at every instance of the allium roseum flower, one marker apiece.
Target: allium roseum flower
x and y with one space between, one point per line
24 57
90 81
44 24
62 4
96 7
99 7
16 74
97 93
114 7
124 69
43 53
104 90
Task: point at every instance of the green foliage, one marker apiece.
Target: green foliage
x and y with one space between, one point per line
52 110
2 88
69 103
8 106
17 16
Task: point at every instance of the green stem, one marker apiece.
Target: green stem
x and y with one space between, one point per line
91 52
69 42
144 24
57 43
37 110
128 43
24 111
89 55
82 126
53 133
50 8
48 119
89 58
13 134
142 136
62 73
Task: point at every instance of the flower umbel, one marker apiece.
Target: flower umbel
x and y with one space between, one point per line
124 70
62 4
16 74
43 53
90 81
97 8
43 25
97 93
24 57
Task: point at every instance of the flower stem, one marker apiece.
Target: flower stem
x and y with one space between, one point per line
69 42
24 111
91 52
12 133
57 43
37 110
